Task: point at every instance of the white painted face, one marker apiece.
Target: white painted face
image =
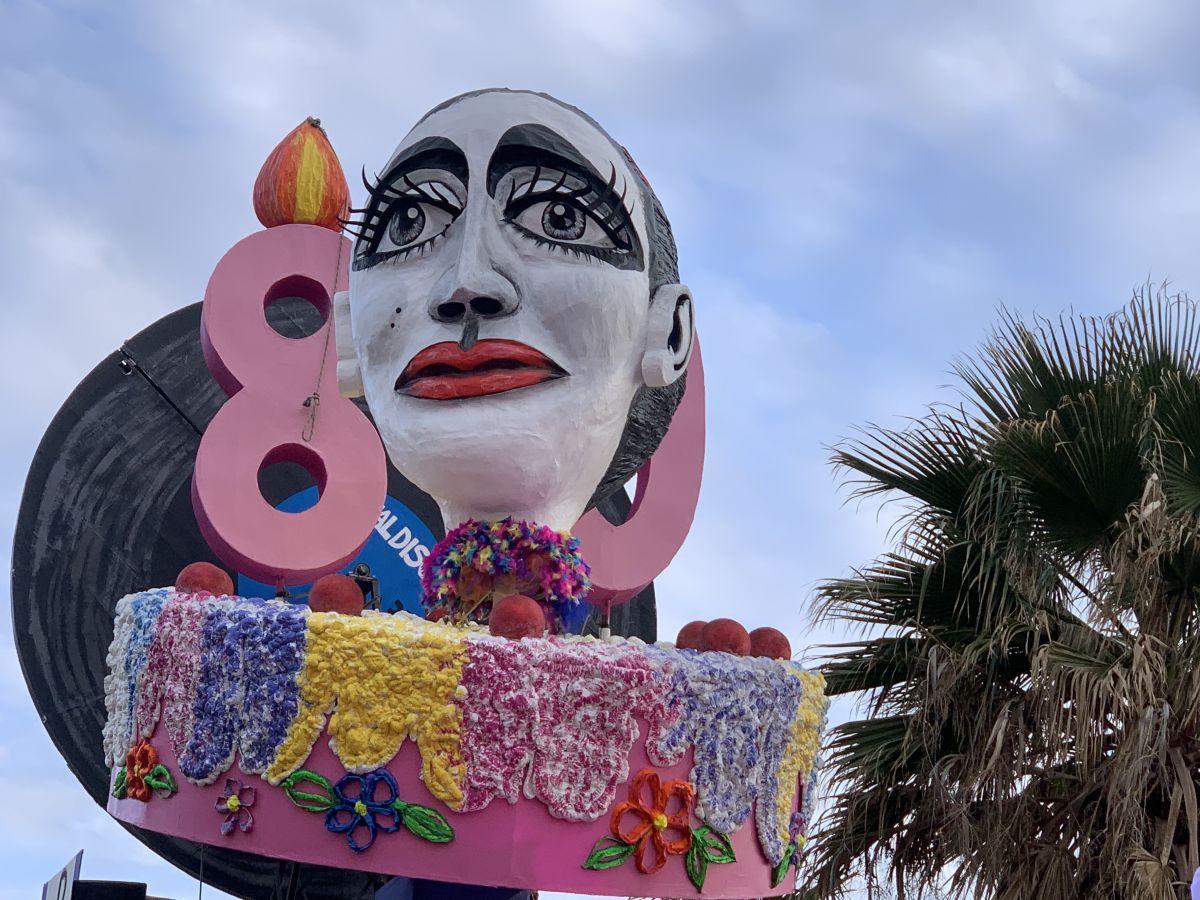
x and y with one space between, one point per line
499 306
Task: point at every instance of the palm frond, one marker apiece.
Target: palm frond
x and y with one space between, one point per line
1029 662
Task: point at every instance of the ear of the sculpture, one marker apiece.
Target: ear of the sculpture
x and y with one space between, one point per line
348 373
670 335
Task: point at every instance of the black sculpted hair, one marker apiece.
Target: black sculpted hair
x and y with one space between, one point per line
652 408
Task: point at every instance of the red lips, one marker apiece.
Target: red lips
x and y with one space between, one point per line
447 372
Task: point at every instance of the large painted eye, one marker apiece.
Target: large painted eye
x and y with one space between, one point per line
411 222
405 217
562 207
563 220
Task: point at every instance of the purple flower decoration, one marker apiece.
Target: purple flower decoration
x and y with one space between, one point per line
796 825
361 804
236 803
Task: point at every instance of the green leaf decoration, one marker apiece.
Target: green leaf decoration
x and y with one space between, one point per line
310 801
119 789
781 870
696 863
608 853
427 824
715 845
160 779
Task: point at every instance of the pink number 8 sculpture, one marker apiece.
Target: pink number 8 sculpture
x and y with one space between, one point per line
283 406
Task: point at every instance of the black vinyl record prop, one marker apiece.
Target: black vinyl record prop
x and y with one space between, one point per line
107 511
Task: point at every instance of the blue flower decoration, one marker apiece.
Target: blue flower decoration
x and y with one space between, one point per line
359 802
364 801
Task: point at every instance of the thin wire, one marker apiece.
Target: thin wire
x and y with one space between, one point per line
200 893
313 401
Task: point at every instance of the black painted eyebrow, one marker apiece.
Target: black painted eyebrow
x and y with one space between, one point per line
514 146
428 153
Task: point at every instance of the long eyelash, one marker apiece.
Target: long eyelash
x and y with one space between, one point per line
580 251
623 213
421 190
441 190
615 221
612 179
553 189
380 198
512 190
364 227
369 260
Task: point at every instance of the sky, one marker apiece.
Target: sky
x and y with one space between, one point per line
856 190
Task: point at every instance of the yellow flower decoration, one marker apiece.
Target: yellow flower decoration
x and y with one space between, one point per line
380 679
803 745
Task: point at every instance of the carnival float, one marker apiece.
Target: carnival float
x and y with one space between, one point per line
499 337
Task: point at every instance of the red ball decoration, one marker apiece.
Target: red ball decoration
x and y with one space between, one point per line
726 636
204 578
517 616
689 636
336 593
770 642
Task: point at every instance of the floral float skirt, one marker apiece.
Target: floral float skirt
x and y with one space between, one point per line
390 744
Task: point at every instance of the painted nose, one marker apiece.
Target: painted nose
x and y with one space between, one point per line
466 302
480 283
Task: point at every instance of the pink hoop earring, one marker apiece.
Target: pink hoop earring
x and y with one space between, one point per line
625 558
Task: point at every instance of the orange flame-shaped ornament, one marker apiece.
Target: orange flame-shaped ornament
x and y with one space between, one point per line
302 181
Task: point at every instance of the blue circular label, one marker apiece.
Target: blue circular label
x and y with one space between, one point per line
393 555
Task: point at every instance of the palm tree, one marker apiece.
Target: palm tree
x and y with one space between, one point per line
1031 647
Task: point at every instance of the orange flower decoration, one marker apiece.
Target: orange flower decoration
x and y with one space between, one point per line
139 763
652 823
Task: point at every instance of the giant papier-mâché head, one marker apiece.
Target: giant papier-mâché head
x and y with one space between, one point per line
517 324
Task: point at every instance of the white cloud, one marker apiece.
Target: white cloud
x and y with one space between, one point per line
1151 206
83 286
770 522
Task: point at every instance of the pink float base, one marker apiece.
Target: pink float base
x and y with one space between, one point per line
517 846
